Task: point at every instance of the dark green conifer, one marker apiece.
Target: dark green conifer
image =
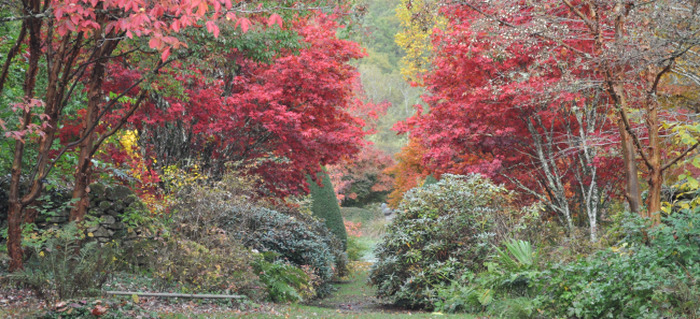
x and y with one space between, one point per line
325 205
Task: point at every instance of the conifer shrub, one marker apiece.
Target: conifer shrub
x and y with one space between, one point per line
443 230
430 180
325 206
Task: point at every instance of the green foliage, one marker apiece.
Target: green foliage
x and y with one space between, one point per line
61 267
460 296
325 206
430 180
651 273
471 294
231 206
301 241
356 248
381 24
504 290
518 255
648 276
215 263
284 282
444 230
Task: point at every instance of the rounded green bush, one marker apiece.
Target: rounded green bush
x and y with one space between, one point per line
442 229
301 241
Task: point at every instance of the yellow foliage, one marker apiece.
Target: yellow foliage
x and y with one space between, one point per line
140 171
129 140
418 20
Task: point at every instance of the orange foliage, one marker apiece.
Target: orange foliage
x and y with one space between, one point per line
353 229
408 172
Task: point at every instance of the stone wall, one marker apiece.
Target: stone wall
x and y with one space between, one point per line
107 203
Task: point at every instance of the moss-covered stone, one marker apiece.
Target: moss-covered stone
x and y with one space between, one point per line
97 190
130 199
104 205
118 192
118 206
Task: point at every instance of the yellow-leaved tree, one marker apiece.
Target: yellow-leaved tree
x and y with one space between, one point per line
418 20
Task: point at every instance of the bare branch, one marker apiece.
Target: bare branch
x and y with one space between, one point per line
679 157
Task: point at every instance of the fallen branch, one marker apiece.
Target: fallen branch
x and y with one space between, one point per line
172 295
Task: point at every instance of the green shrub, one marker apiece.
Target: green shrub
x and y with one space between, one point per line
325 206
61 267
215 263
300 240
517 255
356 248
462 296
284 282
650 276
442 231
232 206
505 289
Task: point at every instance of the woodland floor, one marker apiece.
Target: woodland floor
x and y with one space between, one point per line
352 299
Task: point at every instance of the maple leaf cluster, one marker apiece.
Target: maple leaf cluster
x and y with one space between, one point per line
287 117
362 178
497 107
408 172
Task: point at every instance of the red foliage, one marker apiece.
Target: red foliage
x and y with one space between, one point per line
361 179
287 118
492 97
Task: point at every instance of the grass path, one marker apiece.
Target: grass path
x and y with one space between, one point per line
353 299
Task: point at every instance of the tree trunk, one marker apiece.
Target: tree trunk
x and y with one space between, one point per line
87 146
14 214
82 180
617 93
14 235
655 171
83 171
633 193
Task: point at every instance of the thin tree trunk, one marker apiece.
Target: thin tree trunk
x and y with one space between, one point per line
16 207
632 189
633 193
655 171
617 93
87 146
83 170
